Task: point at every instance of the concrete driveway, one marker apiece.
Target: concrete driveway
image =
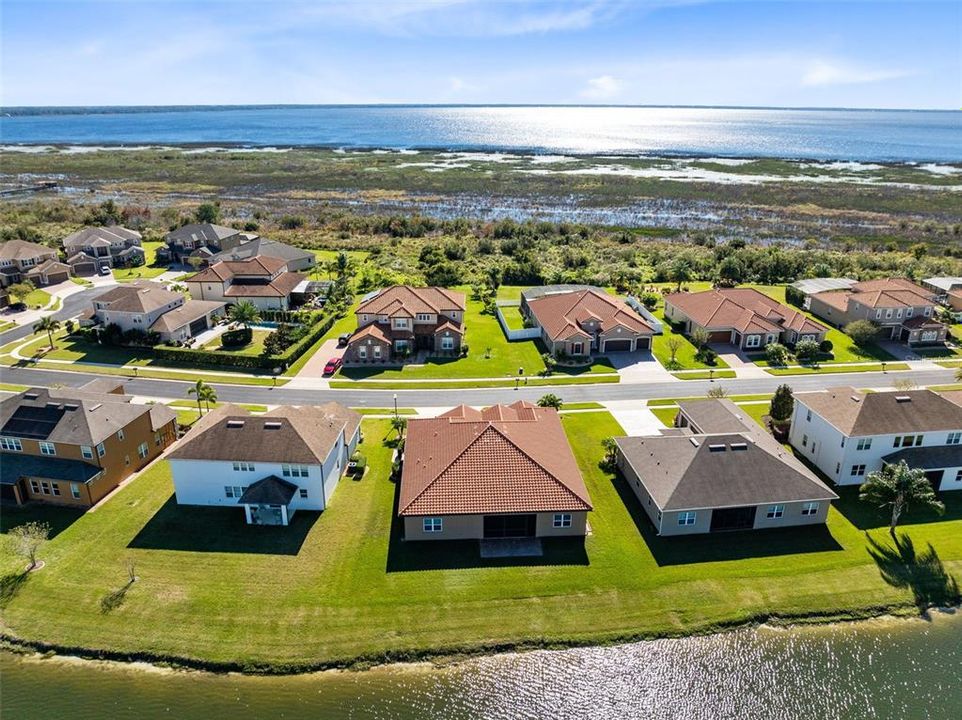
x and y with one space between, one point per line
639 366
314 367
634 417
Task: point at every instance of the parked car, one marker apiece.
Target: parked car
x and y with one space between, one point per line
105 270
332 365
342 339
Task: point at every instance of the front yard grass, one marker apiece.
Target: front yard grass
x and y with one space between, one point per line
829 368
341 585
36 299
254 348
150 269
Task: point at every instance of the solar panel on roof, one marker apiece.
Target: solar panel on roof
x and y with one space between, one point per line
32 422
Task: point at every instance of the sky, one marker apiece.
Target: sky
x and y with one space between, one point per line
639 52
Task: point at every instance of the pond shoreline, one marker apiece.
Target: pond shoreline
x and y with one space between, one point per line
441 657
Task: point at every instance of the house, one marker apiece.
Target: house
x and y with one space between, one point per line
903 310
503 472
942 286
200 240
954 300
263 281
150 307
810 286
848 434
718 470
273 465
584 320
743 317
92 248
297 259
399 320
21 260
72 446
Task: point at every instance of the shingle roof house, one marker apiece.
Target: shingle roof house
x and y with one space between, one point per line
585 320
182 242
22 260
744 317
904 310
288 459
505 471
91 248
848 434
74 445
296 258
264 281
401 319
720 471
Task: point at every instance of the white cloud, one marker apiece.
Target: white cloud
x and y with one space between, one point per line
823 72
603 87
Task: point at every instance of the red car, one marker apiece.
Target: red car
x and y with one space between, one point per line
332 365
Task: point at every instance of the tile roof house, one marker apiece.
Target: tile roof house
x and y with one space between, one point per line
399 320
296 258
273 465
21 260
201 240
848 434
72 446
903 310
505 471
92 248
719 471
150 307
584 320
743 317
263 281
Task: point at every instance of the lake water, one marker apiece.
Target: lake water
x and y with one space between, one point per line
881 669
844 135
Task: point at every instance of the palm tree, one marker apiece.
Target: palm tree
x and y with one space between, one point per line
201 389
897 487
49 325
245 312
342 264
399 425
208 395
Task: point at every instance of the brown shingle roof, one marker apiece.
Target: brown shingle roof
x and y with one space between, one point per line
883 413
504 459
89 235
186 313
21 249
744 309
140 296
412 300
561 314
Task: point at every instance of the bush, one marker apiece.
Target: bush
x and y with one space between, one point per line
826 347
807 351
794 296
464 349
237 338
782 405
706 355
776 354
862 332
292 222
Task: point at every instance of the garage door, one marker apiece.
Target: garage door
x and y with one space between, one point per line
617 345
198 326
720 336
643 343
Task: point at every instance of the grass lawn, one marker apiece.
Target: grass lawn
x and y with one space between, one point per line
460 385
831 369
341 585
704 375
661 402
8 387
193 404
384 411
36 299
513 317
81 281
255 347
685 355
6 325
146 271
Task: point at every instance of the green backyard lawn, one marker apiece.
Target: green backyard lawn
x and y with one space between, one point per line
341 585
254 347
146 271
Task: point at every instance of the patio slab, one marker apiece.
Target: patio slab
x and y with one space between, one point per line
517 547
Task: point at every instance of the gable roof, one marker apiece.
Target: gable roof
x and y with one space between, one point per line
22 250
140 296
412 300
225 270
504 459
265 248
744 309
297 434
270 490
884 293
729 462
561 314
186 313
206 232
90 235
857 414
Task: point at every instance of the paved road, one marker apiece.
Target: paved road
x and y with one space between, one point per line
176 389
72 306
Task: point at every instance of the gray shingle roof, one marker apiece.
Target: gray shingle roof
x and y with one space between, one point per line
271 490
884 413
14 466
928 458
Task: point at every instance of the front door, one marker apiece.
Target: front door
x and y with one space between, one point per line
739 518
509 526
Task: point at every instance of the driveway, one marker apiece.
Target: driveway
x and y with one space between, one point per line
638 367
634 417
314 367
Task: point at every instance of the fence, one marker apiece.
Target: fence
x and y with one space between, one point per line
639 308
521 334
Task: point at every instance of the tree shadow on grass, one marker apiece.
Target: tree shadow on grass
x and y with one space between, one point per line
904 567
191 528
57 517
411 556
866 517
113 600
10 586
718 547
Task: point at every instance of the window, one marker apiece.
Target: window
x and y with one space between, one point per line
843 441
47 448
838 466
377 352
126 459
8 443
101 450
687 518
400 322
808 416
927 311
424 317
35 487
75 491
44 487
243 467
562 520
899 313
907 440
804 440
930 335
120 434
294 470
775 512
864 444
888 313
433 524
233 491
157 439
362 352
55 488
954 438
87 451
810 508
447 343
753 341
142 450
858 470
302 492
909 312
958 476
878 314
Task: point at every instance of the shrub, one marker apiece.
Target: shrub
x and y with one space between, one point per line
237 338
794 296
650 300
550 400
464 349
776 354
826 347
862 332
807 351
782 405
292 222
706 355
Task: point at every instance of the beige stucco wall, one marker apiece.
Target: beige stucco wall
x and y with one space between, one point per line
792 516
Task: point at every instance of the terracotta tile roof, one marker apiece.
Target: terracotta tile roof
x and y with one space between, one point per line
411 301
560 315
744 309
837 299
226 270
372 330
504 459
884 293
858 414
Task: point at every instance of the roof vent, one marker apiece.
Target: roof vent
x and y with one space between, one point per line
902 398
71 406
272 425
693 441
716 448
30 396
856 398
739 446
235 423
96 407
53 404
